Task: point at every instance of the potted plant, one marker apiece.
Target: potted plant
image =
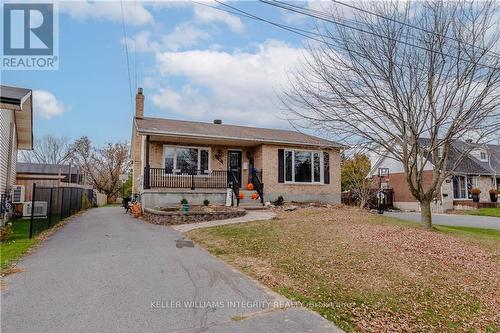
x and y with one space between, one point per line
184 205
475 194
494 195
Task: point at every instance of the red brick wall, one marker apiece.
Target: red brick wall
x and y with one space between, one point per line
398 183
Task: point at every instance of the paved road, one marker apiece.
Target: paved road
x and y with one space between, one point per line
485 222
107 272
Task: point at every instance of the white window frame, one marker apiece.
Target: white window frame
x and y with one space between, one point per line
474 181
485 159
176 171
321 167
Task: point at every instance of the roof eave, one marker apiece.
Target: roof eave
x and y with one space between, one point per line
200 136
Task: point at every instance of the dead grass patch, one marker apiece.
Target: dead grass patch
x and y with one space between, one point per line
368 273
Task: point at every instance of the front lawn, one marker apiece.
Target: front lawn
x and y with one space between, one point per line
18 242
16 245
370 273
495 212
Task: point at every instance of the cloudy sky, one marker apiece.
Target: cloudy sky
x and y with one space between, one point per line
193 62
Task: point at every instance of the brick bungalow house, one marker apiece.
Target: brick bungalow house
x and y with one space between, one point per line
175 159
16 132
480 168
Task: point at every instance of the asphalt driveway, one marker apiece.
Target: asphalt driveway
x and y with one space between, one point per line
108 272
485 222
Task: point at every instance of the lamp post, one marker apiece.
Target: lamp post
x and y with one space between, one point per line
382 172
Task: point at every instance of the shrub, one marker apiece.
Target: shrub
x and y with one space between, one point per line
184 201
206 202
85 201
279 201
475 191
5 231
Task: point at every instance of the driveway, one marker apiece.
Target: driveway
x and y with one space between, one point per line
484 222
108 272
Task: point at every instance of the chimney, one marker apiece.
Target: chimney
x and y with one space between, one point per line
139 104
218 121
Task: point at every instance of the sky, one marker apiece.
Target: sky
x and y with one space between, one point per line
193 62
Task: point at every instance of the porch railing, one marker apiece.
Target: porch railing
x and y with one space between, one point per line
193 179
256 180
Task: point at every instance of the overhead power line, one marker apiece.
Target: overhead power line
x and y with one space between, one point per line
328 18
125 41
411 26
321 38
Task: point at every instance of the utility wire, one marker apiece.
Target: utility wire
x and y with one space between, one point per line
305 33
325 17
127 57
412 26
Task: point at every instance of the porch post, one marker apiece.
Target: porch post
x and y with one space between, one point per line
147 169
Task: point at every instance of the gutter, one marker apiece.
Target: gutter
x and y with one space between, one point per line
201 136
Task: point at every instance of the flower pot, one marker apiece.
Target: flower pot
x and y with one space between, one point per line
475 197
185 207
493 197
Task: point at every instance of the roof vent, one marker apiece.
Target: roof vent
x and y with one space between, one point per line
218 121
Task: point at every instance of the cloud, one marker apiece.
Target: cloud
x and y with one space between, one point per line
203 14
45 104
184 35
134 13
239 87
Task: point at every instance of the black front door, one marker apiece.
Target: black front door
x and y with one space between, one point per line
234 163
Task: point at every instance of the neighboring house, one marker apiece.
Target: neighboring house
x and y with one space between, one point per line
47 175
175 159
16 132
479 168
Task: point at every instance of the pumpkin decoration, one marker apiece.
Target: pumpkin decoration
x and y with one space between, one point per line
255 196
242 196
249 186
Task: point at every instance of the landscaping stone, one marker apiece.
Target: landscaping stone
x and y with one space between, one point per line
177 217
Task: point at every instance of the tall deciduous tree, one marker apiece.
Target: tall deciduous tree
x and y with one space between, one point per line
103 165
410 80
48 149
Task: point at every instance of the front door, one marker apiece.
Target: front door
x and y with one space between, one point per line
234 163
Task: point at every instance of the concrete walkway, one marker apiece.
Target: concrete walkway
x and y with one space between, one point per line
485 222
252 215
108 272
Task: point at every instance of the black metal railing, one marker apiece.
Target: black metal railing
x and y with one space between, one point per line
235 185
256 180
161 178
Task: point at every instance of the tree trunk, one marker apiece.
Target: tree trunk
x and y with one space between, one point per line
425 215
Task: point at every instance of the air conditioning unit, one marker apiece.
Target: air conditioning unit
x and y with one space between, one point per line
18 194
40 210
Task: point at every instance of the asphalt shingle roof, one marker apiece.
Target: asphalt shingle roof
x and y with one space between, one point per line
45 169
12 95
233 132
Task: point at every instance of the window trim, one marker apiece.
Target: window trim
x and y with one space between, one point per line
473 180
199 148
321 167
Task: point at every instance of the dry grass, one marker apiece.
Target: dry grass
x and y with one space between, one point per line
368 273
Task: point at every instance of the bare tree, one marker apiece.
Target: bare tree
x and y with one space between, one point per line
103 166
409 80
48 149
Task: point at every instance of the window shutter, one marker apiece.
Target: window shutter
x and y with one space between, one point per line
326 166
281 165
